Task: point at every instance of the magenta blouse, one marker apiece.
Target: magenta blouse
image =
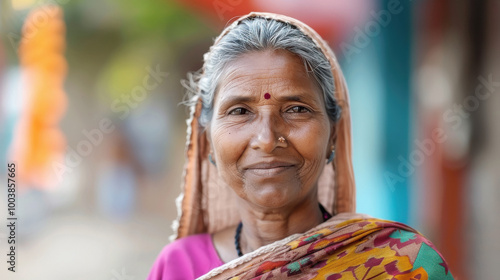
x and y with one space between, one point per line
186 258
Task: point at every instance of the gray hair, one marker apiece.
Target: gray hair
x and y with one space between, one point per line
257 34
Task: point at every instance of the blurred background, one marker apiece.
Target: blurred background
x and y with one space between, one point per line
90 115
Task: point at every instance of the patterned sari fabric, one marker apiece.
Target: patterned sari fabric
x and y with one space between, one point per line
352 249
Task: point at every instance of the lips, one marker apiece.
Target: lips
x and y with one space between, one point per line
270 168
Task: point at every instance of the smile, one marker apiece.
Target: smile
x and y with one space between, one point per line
268 172
267 169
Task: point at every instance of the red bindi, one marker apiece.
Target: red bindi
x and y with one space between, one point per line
267 96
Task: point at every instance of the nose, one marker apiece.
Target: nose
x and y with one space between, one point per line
267 131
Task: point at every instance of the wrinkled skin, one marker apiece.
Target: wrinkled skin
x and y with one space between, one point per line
275 182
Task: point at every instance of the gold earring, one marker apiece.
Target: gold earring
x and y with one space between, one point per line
281 139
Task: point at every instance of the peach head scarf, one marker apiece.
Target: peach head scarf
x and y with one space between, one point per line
207 205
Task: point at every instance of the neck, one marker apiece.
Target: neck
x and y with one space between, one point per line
264 226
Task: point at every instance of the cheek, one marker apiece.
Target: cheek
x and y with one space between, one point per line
228 146
311 142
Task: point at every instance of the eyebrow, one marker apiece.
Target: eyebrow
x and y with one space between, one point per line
290 98
242 99
237 99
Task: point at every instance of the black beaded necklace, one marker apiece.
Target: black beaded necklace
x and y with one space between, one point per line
326 216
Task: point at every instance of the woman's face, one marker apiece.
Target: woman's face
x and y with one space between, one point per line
246 125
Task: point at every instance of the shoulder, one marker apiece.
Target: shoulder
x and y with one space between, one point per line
428 258
192 243
185 258
398 247
425 259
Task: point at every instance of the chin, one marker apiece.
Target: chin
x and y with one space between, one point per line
271 196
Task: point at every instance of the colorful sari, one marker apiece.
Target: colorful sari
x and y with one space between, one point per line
363 248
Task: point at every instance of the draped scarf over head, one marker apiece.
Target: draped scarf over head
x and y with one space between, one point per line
207 205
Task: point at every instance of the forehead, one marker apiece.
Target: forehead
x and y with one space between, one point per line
276 71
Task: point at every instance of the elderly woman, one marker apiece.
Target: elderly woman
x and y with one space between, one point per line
268 186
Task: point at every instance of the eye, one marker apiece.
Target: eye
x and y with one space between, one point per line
238 111
298 109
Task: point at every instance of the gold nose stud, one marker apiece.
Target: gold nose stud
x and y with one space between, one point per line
282 139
